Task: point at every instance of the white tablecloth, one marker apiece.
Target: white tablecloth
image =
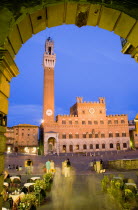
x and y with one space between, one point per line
28 184
14 177
16 197
6 184
132 184
34 178
117 177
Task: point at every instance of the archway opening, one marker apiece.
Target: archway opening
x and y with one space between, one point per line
51 145
118 146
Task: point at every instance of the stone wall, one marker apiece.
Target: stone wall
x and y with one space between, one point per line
123 164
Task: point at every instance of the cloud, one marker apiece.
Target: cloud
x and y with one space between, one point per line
24 113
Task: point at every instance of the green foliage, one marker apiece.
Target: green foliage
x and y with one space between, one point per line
27 201
39 184
48 178
105 183
125 195
131 187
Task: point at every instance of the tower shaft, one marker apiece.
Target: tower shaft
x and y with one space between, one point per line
48 94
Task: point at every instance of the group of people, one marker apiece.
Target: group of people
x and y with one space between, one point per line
50 166
18 168
66 165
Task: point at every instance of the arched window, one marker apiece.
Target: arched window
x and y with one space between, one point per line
84 146
111 145
125 145
122 121
63 136
70 136
84 135
64 148
117 134
97 146
102 135
77 136
124 134
110 135
90 135
96 135
77 147
101 122
103 146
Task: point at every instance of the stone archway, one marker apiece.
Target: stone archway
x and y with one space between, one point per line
118 146
31 17
51 144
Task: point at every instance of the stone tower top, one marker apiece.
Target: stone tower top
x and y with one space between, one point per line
49 46
79 99
49 55
101 100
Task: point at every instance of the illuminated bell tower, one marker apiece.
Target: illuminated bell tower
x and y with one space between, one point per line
48 97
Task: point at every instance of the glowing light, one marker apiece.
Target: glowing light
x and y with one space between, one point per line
26 149
8 149
131 144
34 150
42 121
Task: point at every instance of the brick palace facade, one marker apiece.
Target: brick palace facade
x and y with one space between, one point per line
87 128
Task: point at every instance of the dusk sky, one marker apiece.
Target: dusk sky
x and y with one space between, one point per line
89 63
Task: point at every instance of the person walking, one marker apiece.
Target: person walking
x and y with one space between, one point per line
48 166
67 168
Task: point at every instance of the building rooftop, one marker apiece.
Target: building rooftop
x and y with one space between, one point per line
25 125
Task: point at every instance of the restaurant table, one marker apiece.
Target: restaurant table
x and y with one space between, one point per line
35 178
6 184
14 177
28 184
16 197
131 184
3 208
117 177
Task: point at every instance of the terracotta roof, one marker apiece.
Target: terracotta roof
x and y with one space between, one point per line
25 125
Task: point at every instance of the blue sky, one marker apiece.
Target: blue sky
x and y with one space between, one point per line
89 64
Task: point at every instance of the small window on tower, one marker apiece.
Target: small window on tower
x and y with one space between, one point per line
49 50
